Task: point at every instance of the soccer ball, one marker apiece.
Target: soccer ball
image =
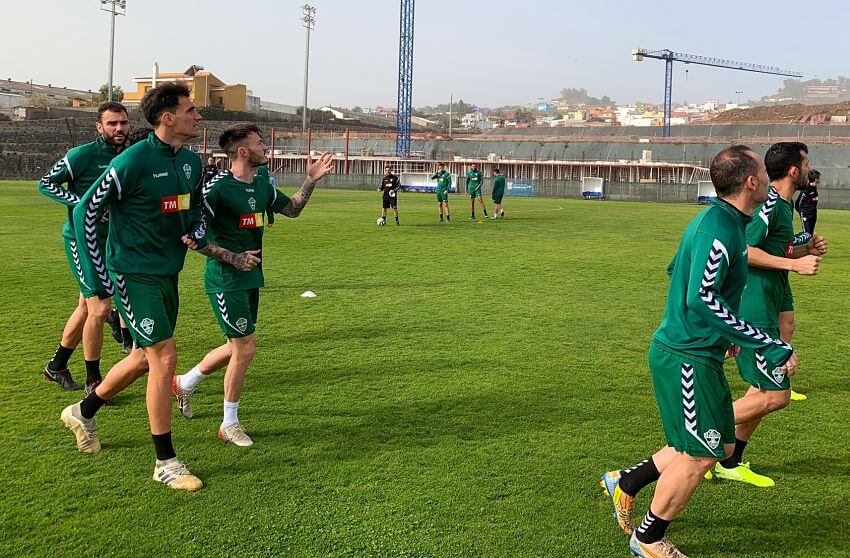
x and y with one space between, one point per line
381 221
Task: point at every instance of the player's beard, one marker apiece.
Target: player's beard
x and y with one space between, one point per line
257 160
113 142
802 181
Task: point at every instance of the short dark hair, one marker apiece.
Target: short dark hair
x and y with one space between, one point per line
162 98
780 157
497 170
231 139
138 135
730 169
111 106
814 175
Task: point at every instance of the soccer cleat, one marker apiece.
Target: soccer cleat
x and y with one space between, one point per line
92 386
742 473
797 396
115 324
63 378
183 396
85 430
235 434
660 549
502 214
624 504
127 348
176 475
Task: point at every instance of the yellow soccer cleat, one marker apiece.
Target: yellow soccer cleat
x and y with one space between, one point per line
796 396
742 473
624 504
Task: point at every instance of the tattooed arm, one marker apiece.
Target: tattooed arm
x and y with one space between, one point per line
245 261
299 200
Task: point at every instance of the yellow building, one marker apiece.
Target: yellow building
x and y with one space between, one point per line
206 89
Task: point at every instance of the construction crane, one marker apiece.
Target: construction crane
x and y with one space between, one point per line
638 54
405 79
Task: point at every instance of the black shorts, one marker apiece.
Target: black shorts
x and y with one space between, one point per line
390 201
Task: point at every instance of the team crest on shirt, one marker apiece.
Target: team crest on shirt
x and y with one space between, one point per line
778 375
242 324
147 325
712 438
187 168
252 203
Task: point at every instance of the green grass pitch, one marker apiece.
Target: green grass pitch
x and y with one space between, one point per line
455 390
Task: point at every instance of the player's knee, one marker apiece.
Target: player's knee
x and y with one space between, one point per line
699 465
99 311
245 349
778 400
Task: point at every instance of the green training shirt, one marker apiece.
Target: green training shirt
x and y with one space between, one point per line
772 230
78 169
444 180
474 180
499 185
153 197
708 274
234 213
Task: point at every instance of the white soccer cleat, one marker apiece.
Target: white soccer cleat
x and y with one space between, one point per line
183 397
176 475
85 430
235 434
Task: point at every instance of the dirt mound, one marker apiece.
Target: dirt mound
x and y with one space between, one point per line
786 114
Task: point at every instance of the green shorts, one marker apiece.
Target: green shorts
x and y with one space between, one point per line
694 400
149 305
442 196
474 193
787 301
754 368
76 267
236 311
497 198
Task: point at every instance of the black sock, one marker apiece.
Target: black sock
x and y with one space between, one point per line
448 217
635 479
60 359
737 454
163 446
485 213
93 371
91 405
652 528
125 335
473 215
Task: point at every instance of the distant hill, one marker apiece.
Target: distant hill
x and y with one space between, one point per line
580 97
786 114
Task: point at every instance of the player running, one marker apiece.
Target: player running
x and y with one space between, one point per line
444 185
768 303
390 186
498 194
153 215
235 203
708 274
79 169
474 184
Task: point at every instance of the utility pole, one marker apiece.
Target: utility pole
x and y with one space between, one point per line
451 102
114 7
308 21
738 93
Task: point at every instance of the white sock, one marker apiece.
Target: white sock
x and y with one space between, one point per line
191 378
231 413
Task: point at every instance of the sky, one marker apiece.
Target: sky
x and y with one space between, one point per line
487 52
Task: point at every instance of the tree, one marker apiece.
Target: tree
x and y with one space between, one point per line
357 109
117 93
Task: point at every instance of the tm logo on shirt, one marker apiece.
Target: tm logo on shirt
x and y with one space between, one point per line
173 204
251 221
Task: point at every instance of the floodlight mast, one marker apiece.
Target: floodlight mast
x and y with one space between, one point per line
308 21
115 8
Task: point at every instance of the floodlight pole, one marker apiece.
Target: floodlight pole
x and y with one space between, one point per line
309 23
114 6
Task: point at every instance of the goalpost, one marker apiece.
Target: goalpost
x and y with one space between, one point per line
705 191
421 182
592 188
